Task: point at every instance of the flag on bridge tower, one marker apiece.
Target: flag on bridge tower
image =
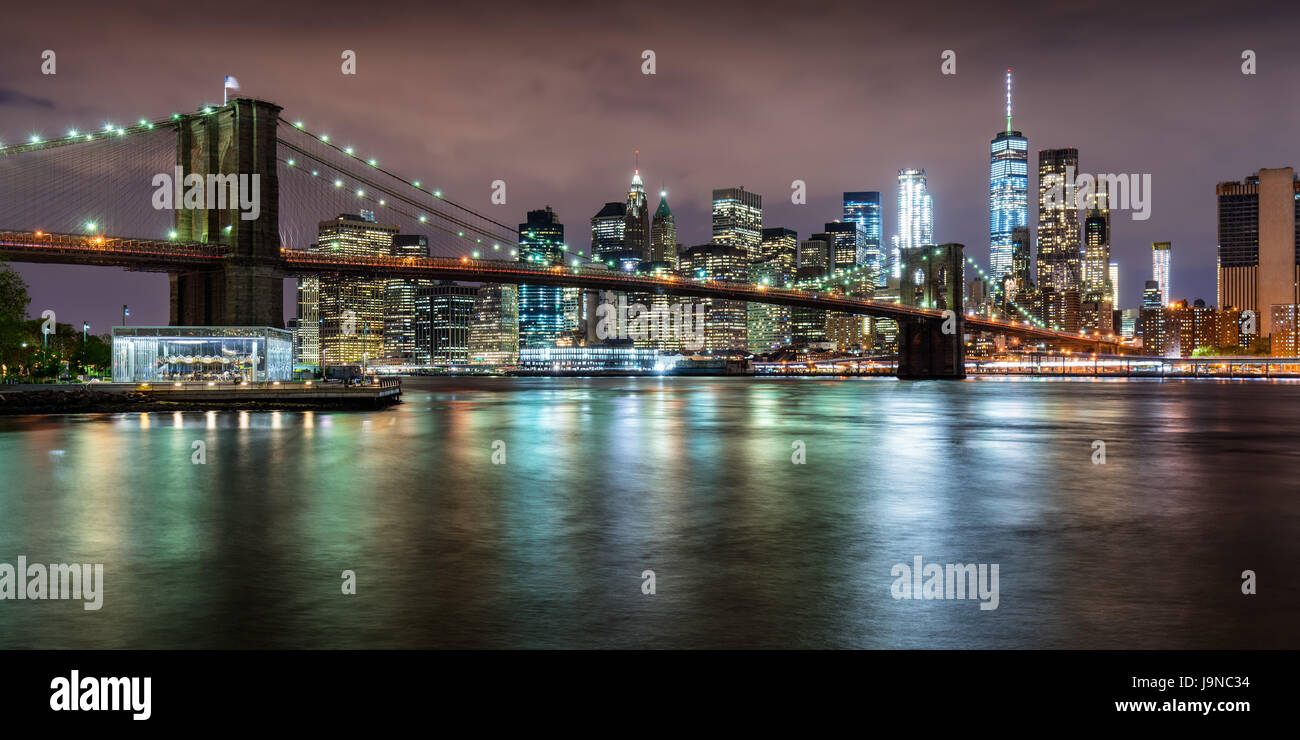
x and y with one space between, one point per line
231 84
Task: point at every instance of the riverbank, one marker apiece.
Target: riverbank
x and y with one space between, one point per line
88 398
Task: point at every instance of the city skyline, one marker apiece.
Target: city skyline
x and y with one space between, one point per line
661 115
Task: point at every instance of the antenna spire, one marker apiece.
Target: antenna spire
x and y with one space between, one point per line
636 160
1008 101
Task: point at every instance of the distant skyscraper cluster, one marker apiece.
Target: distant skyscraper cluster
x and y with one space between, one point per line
1062 277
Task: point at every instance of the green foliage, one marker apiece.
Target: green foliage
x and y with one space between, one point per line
13 314
26 354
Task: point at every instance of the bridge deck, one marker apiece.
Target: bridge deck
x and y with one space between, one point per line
173 256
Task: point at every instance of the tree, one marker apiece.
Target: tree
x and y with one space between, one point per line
13 314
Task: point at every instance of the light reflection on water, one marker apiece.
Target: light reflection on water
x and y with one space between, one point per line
689 477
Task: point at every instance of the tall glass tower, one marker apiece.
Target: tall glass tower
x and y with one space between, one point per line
1008 193
864 208
738 219
1160 252
915 215
541 307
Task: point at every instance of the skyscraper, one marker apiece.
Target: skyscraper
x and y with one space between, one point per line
1018 291
607 230
636 220
400 295
863 207
1008 193
351 316
1160 252
1114 284
725 320
1096 247
663 234
738 219
445 312
306 338
915 215
848 240
1059 273
780 246
814 256
768 326
541 307
494 326
1259 244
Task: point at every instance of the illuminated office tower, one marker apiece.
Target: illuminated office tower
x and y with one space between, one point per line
814 256
1114 284
808 325
1059 270
1160 252
1151 296
781 246
738 219
306 337
725 321
915 216
607 230
400 297
1096 246
352 308
1129 322
1008 194
542 314
1018 290
636 220
445 311
1058 220
494 326
768 326
863 207
1259 246
1096 311
847 239
663 235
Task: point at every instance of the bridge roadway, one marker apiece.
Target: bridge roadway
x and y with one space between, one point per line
158 255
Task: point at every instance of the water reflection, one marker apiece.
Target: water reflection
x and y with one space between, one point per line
601 479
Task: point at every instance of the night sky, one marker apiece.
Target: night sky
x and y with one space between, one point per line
550 98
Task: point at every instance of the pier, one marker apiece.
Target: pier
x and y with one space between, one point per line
123 397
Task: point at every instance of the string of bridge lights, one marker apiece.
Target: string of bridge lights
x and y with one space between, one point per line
1028 315
350 151
36 142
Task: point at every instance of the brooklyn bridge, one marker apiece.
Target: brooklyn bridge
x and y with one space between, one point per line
86 199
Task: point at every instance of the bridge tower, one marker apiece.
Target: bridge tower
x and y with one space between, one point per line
238 138
932 278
